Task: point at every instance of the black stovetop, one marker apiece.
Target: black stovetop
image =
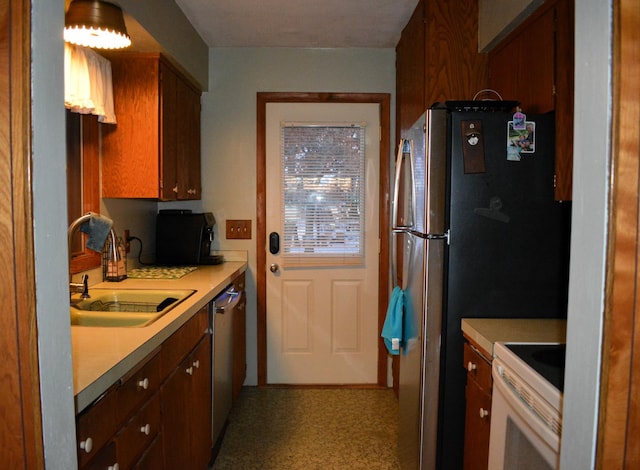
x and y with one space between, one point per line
546 359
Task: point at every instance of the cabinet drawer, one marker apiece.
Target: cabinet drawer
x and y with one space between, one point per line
139 433
477 368
95 426
179 344
104 459
137 386
152 459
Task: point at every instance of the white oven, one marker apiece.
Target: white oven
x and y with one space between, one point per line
526 406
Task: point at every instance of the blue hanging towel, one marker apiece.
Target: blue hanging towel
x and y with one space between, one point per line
97 228
392 328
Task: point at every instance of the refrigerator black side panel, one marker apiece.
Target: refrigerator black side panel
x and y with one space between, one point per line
508 254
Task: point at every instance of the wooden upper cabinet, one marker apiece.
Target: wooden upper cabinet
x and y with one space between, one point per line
523 68
534 65
154 149
455 70
437 58
410 72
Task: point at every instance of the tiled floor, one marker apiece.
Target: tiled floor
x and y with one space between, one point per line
292 428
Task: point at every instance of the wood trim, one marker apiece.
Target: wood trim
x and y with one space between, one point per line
619 418
89 259
384 100
21 429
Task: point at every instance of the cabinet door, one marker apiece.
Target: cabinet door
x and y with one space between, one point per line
477 426
176 406
186 411
410 72
188 149
523 68
169 108
130 149
534 65
201 404
478 409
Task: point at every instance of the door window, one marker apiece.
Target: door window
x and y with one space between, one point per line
323 184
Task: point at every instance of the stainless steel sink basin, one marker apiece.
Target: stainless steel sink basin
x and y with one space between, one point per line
124 307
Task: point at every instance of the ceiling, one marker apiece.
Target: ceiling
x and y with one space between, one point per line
299 23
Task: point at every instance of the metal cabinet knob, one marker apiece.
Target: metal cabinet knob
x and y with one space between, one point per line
471 366
146 429
483 413
274 268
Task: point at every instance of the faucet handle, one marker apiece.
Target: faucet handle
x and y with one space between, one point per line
85 287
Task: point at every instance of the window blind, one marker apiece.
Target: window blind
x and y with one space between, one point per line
323 183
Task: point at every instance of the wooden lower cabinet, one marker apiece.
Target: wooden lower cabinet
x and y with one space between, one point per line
159 415
186 411
153 458
478 409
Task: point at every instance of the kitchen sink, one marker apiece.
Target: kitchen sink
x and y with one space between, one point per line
124 307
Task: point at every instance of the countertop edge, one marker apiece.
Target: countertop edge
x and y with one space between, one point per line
485 332
88 394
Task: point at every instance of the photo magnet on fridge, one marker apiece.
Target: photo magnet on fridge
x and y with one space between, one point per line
520 141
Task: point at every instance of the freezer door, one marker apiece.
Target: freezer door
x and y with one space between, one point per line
435 178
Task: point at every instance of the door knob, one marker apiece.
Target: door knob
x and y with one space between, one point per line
274 268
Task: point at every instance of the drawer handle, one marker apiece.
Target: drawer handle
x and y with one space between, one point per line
146 429
189 370
143 384
196 364
115 466
483 413
87 445
471 366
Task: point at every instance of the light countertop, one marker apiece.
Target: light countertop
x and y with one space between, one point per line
487 331
101 355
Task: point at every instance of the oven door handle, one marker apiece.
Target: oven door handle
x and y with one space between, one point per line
515 403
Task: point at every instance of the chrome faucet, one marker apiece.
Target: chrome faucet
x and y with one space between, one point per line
83 287
75 287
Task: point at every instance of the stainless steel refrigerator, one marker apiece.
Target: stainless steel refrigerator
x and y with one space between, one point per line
477 233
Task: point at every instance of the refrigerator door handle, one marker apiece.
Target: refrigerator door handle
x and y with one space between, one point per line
432 236
405 146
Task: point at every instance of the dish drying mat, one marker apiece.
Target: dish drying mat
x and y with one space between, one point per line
161 272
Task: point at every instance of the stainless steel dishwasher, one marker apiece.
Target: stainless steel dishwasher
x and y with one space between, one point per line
223 309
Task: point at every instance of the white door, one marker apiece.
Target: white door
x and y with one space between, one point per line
322 282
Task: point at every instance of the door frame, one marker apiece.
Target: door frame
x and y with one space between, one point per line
21 433
263 98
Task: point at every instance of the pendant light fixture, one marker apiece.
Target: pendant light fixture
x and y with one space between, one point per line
97 24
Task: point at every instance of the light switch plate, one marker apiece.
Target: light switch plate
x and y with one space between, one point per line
239 229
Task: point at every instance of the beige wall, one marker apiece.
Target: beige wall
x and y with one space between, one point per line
229 128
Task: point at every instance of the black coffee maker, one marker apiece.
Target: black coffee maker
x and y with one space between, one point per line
183 238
